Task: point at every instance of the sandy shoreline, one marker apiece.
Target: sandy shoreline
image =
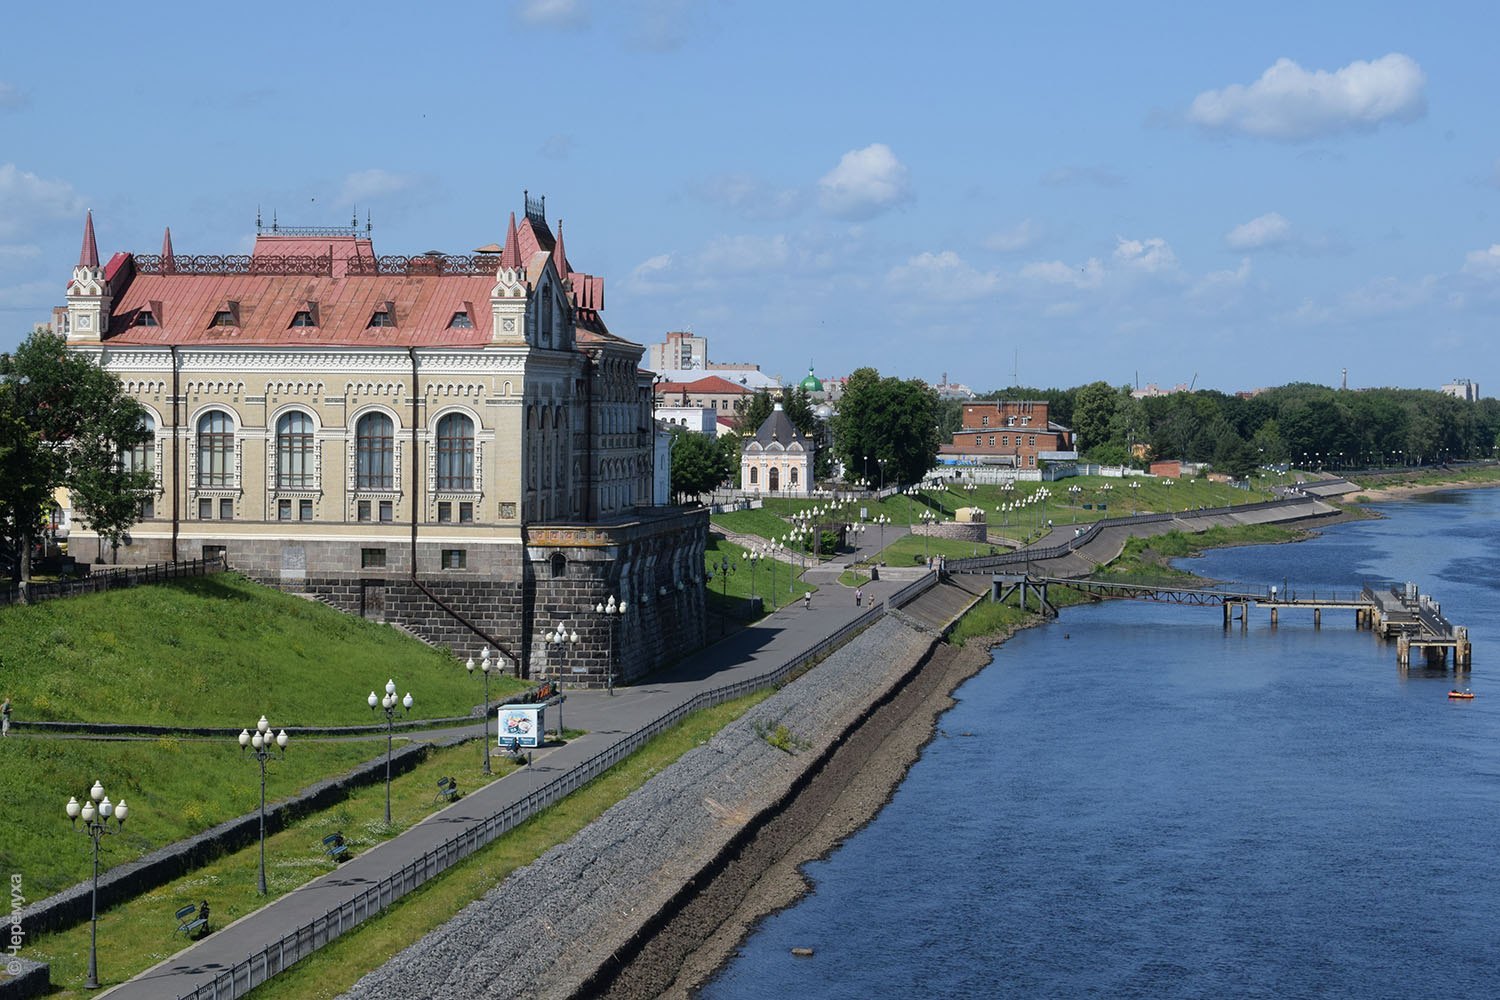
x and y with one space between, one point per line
1403 491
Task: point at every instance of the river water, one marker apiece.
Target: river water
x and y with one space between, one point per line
1135 802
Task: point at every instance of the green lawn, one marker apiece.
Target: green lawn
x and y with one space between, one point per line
776 581
175 788
914 549
334 969
138 934
216 651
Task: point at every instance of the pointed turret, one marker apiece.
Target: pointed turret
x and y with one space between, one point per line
89 255
510 256
560 259
168 260
88 292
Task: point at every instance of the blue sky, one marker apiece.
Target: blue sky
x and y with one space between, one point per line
1252 195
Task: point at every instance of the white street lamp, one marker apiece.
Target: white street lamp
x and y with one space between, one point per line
611 610
389 704
262 741
96 825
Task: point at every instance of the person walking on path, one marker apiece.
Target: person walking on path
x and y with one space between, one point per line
807 600
5 717
859 593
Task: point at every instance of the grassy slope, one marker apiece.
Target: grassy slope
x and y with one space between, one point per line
215 651
777 588
138 934
175 788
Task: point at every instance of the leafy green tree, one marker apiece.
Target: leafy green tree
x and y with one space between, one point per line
1093 409
69 422
700 462
887 427
751 412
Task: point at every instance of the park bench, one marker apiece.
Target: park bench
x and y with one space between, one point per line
447 790
334 846
188 921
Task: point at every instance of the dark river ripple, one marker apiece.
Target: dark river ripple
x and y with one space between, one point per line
1134 802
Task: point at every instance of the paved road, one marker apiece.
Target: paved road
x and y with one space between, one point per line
755 651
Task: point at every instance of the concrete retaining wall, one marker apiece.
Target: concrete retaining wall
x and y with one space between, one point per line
587 898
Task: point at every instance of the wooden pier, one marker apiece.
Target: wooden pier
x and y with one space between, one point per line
1400 613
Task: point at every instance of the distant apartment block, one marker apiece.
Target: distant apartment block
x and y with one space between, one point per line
1462 388
680 352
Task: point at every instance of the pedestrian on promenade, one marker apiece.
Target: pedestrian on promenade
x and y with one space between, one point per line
5 717
858 595
807 601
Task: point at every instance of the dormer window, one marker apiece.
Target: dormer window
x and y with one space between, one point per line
224 317
381 317
460 321
303 318
145 318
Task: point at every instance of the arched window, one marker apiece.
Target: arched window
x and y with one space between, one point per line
455 452
142 457
294 452
215 450
375 452
754 476
559 566
793 471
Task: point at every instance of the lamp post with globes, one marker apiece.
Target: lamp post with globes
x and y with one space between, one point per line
611 610
927 519
484 668
753 556
96 812
559 638
261 741
389 704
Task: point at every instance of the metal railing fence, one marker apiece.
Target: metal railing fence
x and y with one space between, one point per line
261 965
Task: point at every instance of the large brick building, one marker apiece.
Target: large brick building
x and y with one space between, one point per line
1013 433
455 443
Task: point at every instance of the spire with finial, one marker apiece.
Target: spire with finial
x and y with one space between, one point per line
89 255
510 254
559 259
168 261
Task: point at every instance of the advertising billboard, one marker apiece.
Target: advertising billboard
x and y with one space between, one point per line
521 725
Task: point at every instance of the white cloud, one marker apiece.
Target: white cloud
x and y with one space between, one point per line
744 254
27 201
364 185
1153 256
566 14
1022 236
751 197
1054 272
1269 230
1216 284
12 98
865 183
661 25
1291 103
652 267
943 276
1483 263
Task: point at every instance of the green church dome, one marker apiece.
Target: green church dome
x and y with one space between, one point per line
811 383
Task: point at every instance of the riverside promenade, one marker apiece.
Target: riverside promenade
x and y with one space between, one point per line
227 962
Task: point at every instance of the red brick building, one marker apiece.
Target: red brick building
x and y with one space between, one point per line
1009 432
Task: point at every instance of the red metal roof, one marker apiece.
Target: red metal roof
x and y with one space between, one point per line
711 384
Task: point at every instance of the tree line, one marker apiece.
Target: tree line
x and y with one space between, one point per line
1302 424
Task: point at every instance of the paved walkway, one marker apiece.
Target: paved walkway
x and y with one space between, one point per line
753 652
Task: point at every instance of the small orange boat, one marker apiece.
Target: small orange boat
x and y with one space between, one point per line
1462 695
